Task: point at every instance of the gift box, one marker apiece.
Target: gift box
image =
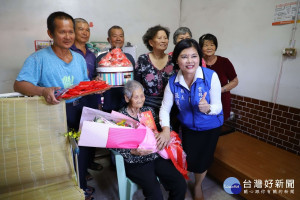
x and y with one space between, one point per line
115 68
115 76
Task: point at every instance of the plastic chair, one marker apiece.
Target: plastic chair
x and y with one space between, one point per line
126 187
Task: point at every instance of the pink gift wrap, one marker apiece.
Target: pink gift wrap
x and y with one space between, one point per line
94 134
125 138
149 142
101 135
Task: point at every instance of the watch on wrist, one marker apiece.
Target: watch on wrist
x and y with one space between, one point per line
208 111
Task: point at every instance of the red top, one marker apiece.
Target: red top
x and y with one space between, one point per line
225 70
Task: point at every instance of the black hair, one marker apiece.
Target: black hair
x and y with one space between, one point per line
209 37
150 34
184 44
113 27
57 15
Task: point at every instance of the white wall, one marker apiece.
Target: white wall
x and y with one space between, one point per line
246 36
22 22
244 30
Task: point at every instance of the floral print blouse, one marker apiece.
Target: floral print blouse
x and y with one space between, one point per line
128 157
153 80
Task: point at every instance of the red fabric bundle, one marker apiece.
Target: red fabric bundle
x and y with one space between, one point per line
177 155
85 88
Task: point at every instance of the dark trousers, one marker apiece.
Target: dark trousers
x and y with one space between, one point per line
85 157
113 99
146 174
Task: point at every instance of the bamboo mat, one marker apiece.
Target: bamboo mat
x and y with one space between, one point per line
35 157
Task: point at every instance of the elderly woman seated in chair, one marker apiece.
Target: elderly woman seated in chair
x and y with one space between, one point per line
143 166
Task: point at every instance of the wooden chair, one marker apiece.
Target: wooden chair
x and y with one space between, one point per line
36 160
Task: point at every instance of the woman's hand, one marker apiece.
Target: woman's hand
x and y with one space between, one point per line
163 138
203 105
141 152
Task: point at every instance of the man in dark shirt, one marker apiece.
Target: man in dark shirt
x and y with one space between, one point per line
82 36
114 98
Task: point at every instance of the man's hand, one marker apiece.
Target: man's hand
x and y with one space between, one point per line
29 89
203 105
163 138
98 78
48 94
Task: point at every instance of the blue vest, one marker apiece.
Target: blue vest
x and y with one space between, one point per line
187 102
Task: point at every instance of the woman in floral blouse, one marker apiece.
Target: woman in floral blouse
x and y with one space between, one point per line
143 166
153 69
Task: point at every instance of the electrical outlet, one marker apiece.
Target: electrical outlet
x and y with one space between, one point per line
289 52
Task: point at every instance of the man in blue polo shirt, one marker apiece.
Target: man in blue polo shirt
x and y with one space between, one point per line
56 67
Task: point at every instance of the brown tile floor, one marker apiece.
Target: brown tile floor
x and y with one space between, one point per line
106 185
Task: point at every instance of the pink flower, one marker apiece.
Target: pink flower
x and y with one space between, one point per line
149 77
169 69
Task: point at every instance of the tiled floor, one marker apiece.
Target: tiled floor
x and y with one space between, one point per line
105 183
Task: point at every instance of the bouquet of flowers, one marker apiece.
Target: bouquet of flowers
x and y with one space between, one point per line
115 130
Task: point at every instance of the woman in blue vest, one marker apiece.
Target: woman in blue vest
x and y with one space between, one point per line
197 93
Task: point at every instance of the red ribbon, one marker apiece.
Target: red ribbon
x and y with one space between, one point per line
175 149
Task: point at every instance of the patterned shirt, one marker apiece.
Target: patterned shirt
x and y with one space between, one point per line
153 80
130 158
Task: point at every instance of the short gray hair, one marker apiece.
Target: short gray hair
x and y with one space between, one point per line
130 87
181 31
77 20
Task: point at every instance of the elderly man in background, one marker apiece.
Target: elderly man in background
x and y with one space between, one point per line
82 36
114 98
56 67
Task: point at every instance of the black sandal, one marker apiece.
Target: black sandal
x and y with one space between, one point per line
88 197
89 190
88 193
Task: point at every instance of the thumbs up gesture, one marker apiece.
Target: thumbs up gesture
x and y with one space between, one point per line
203 105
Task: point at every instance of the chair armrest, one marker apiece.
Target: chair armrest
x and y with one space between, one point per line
13 94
